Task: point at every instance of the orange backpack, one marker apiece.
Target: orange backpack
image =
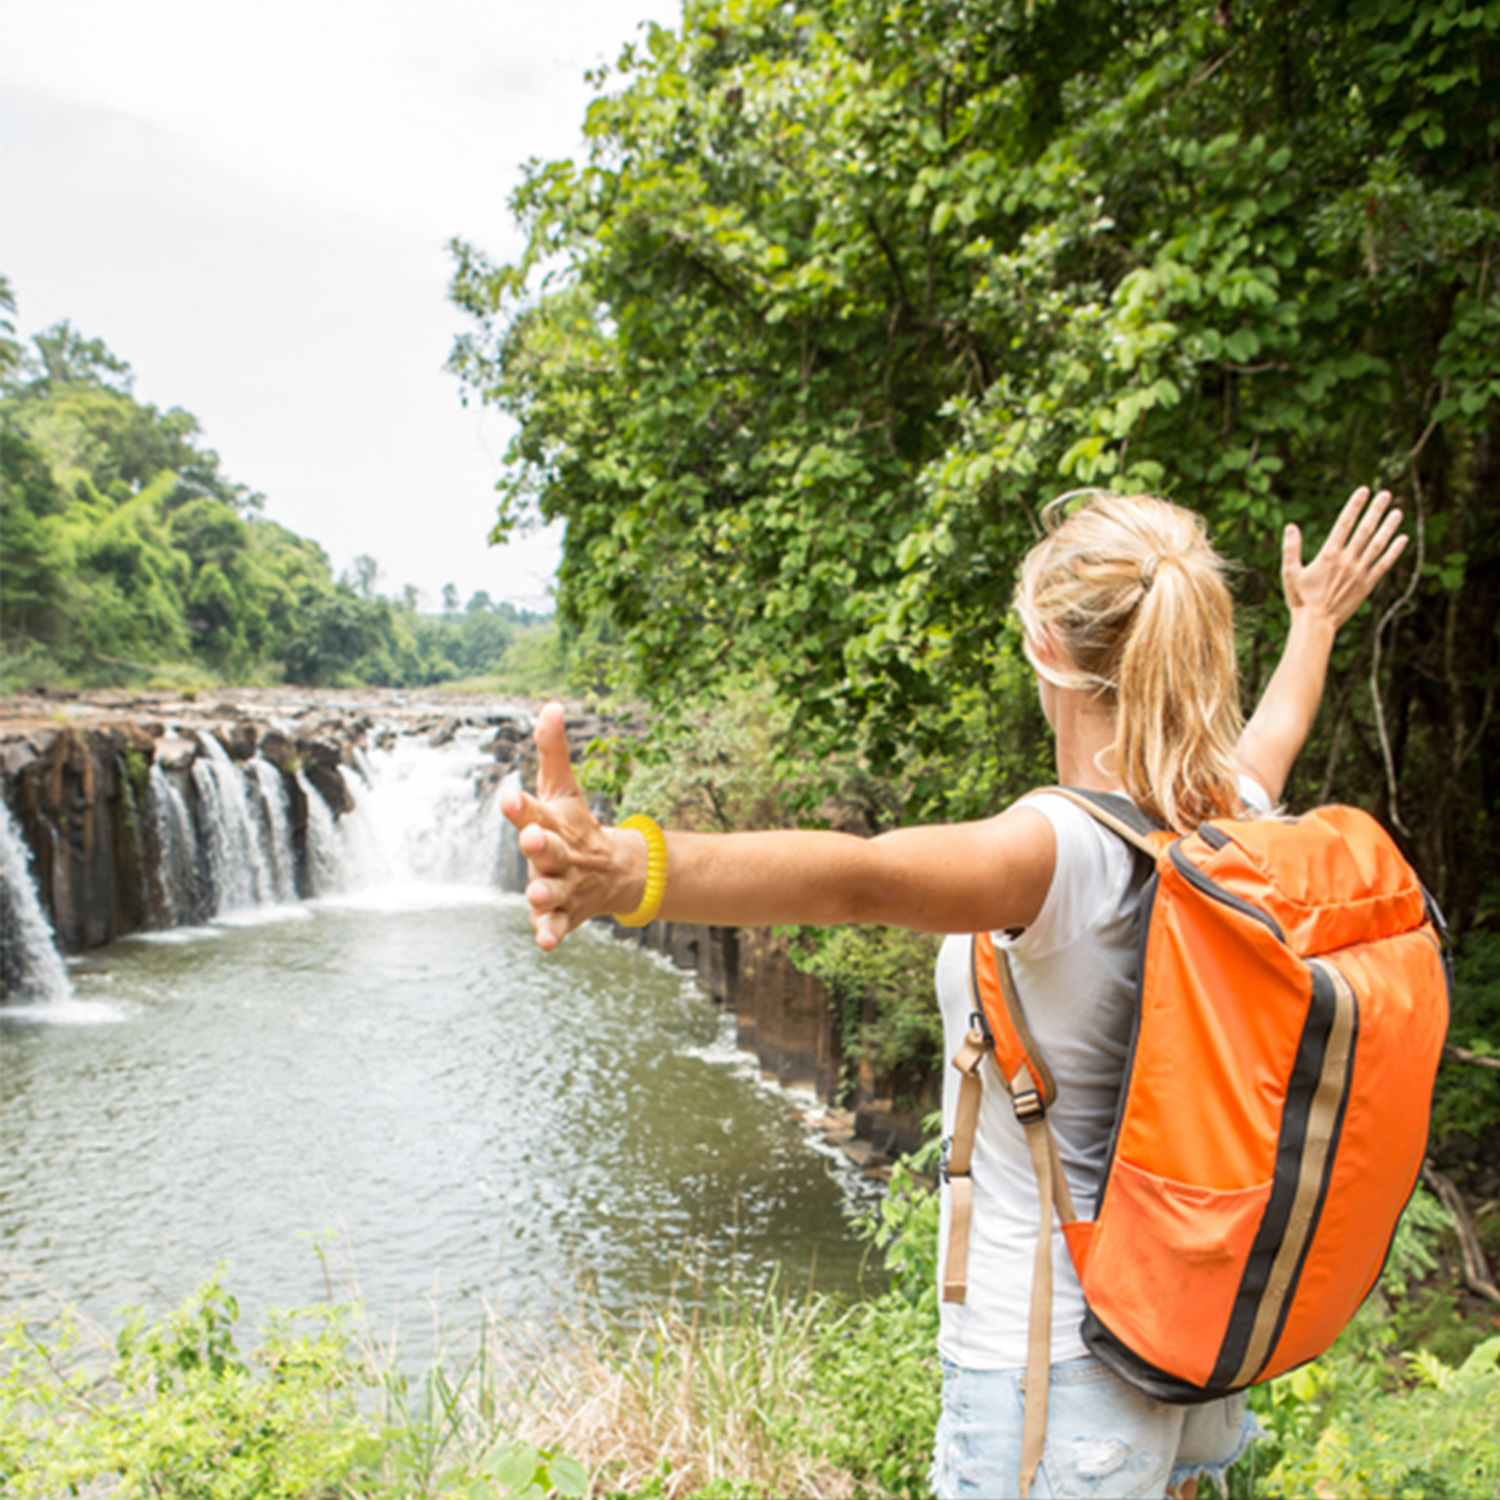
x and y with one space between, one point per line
1292 1004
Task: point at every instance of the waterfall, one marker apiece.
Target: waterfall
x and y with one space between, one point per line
218 838
29 963
423 815
274 826
237 840
177 879
325 849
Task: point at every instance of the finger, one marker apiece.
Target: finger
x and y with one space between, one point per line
1388 560
1360 541
554 777
1377 543
545 852
520 806
1291 551
550 928
1347 517
542 897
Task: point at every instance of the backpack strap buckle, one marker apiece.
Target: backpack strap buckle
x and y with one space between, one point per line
1029 1106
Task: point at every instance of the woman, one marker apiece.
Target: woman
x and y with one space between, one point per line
1128 625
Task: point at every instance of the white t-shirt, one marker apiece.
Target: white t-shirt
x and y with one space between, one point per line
1075 970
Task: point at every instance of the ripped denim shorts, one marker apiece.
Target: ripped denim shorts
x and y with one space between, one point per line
1105 1439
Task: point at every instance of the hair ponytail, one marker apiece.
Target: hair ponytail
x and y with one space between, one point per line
1134 595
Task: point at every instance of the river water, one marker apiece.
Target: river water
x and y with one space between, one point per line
390 1090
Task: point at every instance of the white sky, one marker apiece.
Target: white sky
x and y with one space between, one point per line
250 203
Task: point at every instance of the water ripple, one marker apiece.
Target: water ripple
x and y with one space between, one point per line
467 1117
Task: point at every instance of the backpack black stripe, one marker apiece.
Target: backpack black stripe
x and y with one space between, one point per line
1312 1118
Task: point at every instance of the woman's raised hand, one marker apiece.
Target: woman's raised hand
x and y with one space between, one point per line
577 869
1359 552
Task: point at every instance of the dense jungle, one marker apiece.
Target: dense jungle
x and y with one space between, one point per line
838 296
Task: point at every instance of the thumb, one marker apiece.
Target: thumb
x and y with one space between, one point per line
554 777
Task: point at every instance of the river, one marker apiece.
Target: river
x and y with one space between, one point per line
389 1090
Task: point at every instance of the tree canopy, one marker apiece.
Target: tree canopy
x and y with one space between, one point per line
842 292
124 548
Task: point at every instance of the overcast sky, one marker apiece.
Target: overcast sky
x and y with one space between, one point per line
250 203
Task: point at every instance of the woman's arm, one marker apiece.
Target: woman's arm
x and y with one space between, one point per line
1360 550
965 877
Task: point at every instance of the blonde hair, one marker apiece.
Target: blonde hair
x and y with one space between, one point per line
1132 595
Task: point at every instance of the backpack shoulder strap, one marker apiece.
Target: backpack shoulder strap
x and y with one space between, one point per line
999 1028
1118 814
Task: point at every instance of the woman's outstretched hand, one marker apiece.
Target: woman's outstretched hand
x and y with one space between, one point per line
577 869
1359 552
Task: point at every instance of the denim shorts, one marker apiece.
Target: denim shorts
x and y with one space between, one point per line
1105 1439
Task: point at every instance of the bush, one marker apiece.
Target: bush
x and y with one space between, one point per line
179 1413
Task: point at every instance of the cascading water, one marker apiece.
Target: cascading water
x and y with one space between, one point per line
268 795
178 887
325 847
423 816
238 867
29 964
216 840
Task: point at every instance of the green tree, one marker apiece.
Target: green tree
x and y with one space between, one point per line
841 294
12 352
123 546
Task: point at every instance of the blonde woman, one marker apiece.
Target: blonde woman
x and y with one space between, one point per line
1129 627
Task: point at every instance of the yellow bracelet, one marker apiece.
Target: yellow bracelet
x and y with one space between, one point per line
656 870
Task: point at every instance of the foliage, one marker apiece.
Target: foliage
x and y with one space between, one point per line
1466 1105
762 1396
715 764
841 292
181 1414
486 639
1412 1248
883 976
1357 1423
124 550
878 1362
724 763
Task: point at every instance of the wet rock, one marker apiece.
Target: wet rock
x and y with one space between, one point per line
443 734
277 747
16 755
241 738
79 804
490 779
173 754
326 753
506 740
329 785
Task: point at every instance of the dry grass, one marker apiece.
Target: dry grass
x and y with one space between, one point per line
687 1404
